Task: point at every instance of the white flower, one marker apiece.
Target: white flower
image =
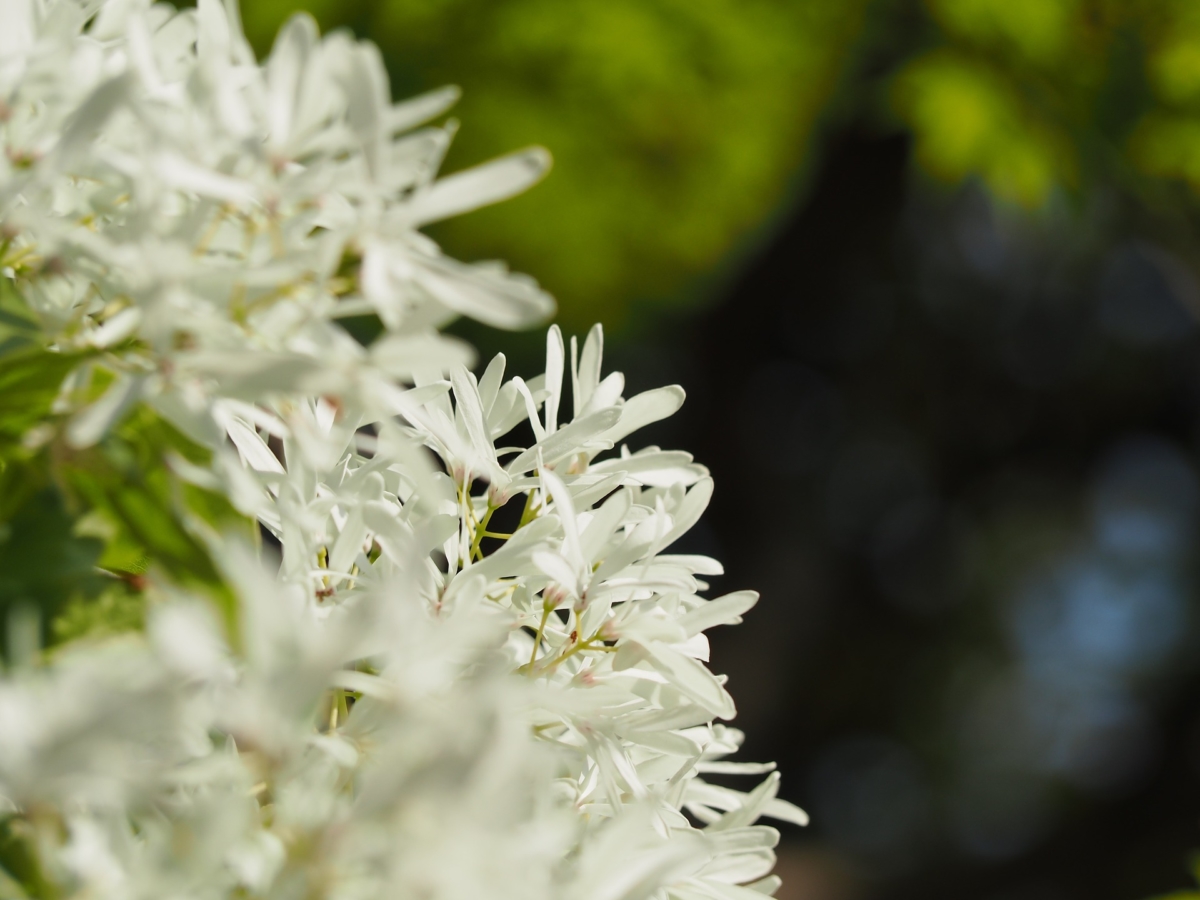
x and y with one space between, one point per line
414 702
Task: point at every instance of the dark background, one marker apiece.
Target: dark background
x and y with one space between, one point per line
956 455
927 271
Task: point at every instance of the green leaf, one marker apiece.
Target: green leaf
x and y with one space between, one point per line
17 325
120 608
80 528
30 379
968 119
150 519
45 563
10 888
19 864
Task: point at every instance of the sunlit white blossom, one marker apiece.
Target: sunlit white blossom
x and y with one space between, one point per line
411 700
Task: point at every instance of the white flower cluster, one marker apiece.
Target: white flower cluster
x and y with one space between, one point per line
416 703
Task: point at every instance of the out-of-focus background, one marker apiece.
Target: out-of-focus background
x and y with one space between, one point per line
929 273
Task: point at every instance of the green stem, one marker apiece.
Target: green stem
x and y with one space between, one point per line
578 648
537 640
480 531
530 512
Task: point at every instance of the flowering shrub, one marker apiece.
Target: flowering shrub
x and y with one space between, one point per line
408 699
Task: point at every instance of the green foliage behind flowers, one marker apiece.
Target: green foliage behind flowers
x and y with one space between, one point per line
1193 894
46 563
679 129
79 527
970 121
676 127
118 608
1037 95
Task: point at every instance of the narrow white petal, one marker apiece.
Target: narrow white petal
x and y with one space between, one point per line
91 423
414 112
727 610
645 408
184 175
579 435
692 679
565 507
554 376
481 186
589 367
489 384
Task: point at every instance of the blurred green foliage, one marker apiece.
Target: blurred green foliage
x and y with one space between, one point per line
680 129
1038 95
969 120
79 529
676 125
1186 894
